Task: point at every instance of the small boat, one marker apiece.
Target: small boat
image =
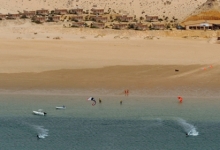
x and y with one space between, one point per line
61 107
39 136
39 112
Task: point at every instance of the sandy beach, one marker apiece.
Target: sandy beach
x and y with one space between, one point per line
110 75
86 59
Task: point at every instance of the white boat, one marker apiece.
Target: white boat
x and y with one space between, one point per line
61 107
39 112
40 136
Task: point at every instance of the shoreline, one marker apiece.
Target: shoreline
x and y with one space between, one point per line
202 93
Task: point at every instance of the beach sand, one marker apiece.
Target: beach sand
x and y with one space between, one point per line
99 60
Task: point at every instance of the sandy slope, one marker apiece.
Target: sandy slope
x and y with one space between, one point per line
178 8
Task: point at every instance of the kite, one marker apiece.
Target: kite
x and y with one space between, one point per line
92 99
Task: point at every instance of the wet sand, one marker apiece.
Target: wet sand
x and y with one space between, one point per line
148 79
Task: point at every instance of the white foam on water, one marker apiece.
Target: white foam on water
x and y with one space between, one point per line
41 131
188 128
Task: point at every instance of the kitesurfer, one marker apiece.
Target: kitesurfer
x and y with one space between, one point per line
92 99
38 136
187 134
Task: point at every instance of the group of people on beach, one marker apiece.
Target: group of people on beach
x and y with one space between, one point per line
126 92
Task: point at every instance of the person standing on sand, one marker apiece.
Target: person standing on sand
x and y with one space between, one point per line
125 92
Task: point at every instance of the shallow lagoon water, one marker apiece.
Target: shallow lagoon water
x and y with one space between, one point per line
140 123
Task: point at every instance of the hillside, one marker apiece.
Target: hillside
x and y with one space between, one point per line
210 10
209 5
163 8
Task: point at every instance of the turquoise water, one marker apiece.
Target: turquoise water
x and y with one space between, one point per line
140 123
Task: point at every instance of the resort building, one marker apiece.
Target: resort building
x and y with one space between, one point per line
124 18
13 16
151 18
203 25
76 11
158 26
77 18
29 14
39 19
60 11
97 11
56 18
2 16
78 24
100 19
140 26
98 25
42 12
119 26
